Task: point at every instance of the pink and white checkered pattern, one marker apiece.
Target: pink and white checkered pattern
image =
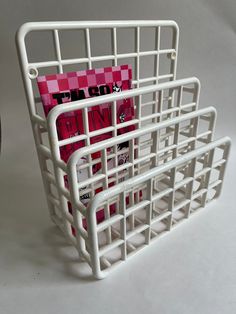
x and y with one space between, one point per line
71 124
65 82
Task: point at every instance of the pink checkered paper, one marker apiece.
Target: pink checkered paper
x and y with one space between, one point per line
71 124
66 87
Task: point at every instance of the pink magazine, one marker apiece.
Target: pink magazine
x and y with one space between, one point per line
66 87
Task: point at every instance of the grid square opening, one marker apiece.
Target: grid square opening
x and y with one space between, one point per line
34 42
101 42
147 38
126 40
72 44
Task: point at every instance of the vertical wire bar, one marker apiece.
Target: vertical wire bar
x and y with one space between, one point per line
57 49
86 131
179 99
160 104
207 177
139 109
123 226
93 242
131 175
155 150
194 131
176 140
105 186
114 42
149 211
173 68
170 105
138 57
173 65
155 147
86 124
211 126
88 47
174 57
114 124
222 169
114 116
170 100
90 174
194 123
156 69
77 216
155 107
138 100
196 93
171 197
159 119
189 189
157 57
139 116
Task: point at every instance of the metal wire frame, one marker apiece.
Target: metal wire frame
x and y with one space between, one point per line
158 112
30 71
175 108
187 134
147 227
184 138
114 26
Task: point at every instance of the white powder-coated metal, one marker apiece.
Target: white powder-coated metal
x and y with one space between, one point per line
180 196
172 139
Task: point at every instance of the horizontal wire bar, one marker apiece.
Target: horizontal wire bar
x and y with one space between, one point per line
41 121
136 207
214 184
161 217
110 247
44 64
181 205
44 150
202 172
71 140
53 200
108 222
49 176
218 163
180 184
89 181
198 193
161 194
152 79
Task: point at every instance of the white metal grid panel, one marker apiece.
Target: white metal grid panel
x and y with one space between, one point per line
185 96
150 151
173 191
147 149
30 69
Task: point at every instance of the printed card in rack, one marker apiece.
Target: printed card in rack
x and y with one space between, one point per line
66 87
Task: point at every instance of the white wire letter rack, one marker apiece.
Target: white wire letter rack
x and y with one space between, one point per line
174 165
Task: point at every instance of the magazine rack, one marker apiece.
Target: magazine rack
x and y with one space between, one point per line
174 165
